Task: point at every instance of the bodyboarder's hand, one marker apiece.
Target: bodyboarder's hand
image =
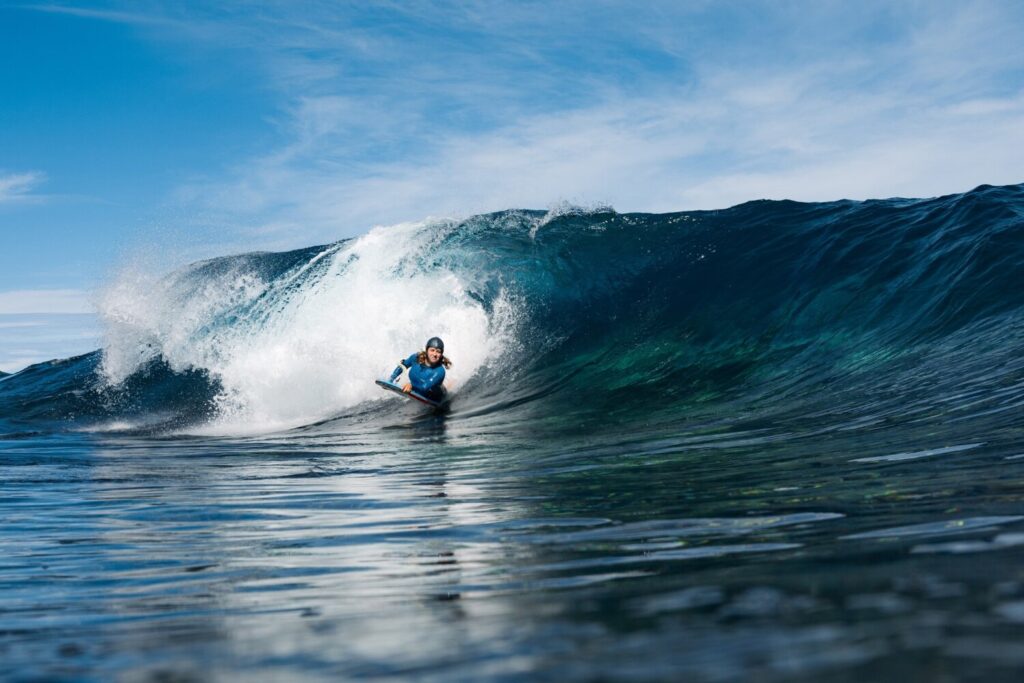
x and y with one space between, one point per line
407 388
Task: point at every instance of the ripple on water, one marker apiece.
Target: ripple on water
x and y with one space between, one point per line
900 457
694 597
958 547
1011 611
952 526
699 552
662 529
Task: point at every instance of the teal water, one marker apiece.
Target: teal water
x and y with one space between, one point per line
780 442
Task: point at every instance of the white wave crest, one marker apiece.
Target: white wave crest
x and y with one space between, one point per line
308 344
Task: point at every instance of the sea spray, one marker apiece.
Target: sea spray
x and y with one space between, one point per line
299 346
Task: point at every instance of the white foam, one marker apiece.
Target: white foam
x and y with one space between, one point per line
305 346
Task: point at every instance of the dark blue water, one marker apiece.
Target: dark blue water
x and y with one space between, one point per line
778 442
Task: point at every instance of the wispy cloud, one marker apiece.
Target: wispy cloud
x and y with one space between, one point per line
28 339
396 111
17 187
41 324
50 301
738 136
125 16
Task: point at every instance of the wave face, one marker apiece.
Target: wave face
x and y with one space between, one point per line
573 319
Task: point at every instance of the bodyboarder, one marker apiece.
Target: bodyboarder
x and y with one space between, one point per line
426 371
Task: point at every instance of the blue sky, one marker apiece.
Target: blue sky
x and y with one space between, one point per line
161 132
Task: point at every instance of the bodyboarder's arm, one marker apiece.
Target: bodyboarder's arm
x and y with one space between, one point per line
396 373
402 364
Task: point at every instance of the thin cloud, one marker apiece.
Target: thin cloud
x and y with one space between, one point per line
120 17
733 140
18 187
28 339
51 301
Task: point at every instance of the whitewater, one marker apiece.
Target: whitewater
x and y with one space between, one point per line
779 441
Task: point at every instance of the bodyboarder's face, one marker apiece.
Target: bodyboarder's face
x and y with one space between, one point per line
433 355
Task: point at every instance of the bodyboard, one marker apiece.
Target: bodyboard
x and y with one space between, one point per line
391 386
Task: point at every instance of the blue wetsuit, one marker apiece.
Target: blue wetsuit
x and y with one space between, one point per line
426 381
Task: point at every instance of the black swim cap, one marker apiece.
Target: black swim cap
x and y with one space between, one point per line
435 343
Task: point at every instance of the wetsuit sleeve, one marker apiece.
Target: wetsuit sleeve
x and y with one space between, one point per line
402 363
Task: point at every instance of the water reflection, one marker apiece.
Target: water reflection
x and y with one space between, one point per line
453 547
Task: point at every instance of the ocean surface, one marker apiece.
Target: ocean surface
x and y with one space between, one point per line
777 442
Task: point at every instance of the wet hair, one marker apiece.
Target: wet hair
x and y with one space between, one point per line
421 358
